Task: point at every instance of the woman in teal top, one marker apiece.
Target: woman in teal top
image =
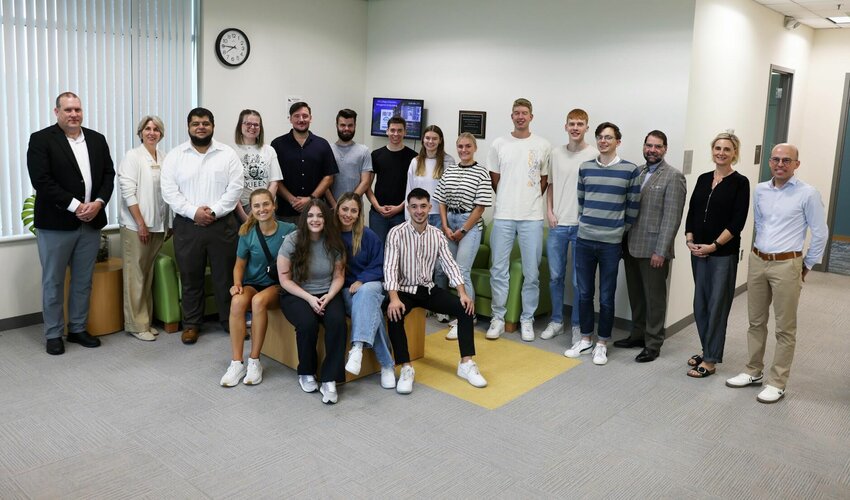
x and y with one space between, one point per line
255 285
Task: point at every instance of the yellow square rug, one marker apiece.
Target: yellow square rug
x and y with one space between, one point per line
511 368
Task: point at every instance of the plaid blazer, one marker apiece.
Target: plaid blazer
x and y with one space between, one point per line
662 200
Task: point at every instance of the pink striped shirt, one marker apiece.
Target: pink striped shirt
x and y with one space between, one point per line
409 258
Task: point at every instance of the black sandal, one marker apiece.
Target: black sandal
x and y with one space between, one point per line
701 371
695 360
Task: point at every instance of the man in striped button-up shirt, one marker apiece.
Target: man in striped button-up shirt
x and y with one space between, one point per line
409 259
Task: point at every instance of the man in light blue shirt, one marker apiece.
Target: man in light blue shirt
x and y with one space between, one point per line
784 208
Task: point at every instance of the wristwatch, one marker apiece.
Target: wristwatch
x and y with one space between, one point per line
462 231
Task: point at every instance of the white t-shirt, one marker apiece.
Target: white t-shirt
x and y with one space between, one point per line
563 181
260 168
520 163
427 181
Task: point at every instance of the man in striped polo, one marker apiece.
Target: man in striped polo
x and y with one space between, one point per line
608 203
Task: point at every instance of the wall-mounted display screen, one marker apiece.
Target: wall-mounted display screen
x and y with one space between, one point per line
384 108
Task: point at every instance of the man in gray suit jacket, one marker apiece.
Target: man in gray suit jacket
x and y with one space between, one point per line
650 247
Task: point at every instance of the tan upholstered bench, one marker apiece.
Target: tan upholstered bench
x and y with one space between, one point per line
280 342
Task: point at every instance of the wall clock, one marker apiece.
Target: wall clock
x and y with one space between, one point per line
232 47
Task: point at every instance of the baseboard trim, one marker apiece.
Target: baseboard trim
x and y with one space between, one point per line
20 321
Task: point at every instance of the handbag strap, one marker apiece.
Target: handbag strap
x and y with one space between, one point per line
263 243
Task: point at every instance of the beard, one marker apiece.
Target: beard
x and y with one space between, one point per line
201 141
345 136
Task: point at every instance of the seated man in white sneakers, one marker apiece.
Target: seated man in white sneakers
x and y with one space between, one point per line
409 259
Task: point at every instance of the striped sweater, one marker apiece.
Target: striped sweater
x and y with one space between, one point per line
608 200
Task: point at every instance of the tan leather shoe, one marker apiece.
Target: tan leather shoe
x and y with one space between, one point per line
190 335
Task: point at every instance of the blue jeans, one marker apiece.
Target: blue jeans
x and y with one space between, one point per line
560 240
382 225
465 251
440 278
530 234
589 254
714 289
367 319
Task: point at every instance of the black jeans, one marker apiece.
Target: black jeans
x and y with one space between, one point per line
306 323
439 301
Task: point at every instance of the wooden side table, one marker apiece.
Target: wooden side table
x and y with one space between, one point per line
106 305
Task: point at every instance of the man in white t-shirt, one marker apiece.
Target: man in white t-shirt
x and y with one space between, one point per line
354 160
562 216
519 168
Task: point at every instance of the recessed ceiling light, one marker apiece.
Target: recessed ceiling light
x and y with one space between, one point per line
840 19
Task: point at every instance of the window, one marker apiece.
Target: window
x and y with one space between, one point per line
124 58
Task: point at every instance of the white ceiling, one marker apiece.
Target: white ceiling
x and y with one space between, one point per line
812 13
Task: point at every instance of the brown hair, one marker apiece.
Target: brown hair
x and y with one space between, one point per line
441 154
330 234
239 139
249 223
357 228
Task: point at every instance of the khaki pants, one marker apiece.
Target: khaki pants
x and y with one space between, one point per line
779 282
138 278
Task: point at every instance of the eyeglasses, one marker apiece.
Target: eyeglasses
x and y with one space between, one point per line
250 125
784 161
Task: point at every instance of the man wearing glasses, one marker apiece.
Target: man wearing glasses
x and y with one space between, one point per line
202 181
784 208
608 203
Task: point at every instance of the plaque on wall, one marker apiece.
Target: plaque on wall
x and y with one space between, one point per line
474 122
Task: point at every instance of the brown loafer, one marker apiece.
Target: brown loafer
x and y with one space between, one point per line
190 335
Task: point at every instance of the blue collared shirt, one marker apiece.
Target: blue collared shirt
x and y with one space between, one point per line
782 216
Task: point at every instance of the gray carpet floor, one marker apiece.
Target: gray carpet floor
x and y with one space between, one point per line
149 420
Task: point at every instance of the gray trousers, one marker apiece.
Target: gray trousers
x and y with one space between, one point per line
57 251
648 298
714 289
193 245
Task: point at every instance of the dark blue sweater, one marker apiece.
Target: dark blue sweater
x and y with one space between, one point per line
368 264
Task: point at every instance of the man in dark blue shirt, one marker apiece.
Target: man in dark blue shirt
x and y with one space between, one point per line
306 161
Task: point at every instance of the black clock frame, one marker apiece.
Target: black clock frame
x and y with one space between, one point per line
218 47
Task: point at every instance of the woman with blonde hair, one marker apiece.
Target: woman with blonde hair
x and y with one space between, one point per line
255 285
144 220
716 216
362 289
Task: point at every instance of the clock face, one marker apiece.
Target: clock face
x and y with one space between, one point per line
232 47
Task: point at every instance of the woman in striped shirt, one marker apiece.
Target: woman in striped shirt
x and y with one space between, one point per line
462 194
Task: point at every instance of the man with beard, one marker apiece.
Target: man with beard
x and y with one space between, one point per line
72 173
650 247
353 160
202 181
307 163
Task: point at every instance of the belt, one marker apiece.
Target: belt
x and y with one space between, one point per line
457 210
777 256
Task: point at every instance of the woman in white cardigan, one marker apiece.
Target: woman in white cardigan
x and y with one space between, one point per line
144 220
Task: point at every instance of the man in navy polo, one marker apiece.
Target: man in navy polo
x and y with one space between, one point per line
306 161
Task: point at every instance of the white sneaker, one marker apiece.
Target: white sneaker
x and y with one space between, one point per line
600 354
387 377
469 372
452 335
146 336
442 318
255 372
234 374
405 380
576 333
552 330
579 348
770 394
153 330
329 394
527 329
497 328
355 358
743 380
308 383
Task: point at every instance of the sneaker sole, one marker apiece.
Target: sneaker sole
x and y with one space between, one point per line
770 402
600 364
308 392
470 383
492 337
253 382
733 386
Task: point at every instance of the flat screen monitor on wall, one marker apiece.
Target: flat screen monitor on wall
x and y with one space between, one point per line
384 108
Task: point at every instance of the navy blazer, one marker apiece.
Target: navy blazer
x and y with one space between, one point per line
56 177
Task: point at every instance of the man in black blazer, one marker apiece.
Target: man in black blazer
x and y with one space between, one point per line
72 173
